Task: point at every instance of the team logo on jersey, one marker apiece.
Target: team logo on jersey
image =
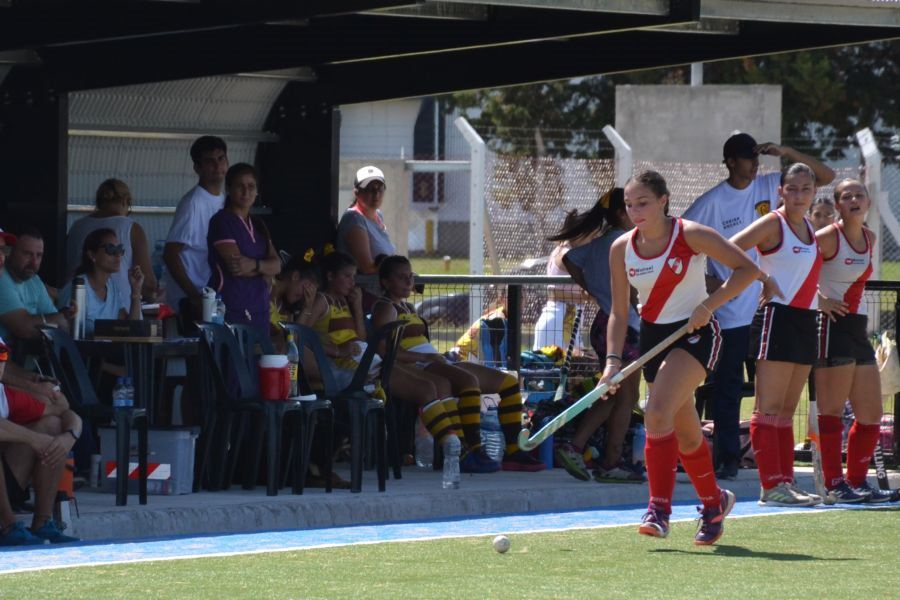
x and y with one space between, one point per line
632 272
854 261
693 339
801 250
676 265
763 207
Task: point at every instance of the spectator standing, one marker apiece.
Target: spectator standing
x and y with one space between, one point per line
101 260
589 267
112 212
783 336
24 301
361 232
242 258
730 207
186 250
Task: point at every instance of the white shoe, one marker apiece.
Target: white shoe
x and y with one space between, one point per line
814 499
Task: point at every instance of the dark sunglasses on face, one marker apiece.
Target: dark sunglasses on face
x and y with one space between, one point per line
113 249
4 353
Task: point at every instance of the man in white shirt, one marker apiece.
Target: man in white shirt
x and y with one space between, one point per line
185 255
729 207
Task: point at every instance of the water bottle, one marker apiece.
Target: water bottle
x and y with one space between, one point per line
492 439
129 392
451 463
156 259
79 296
219 316
293 354
119 394
637 444
424 446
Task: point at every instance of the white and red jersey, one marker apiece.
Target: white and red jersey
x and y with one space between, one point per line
845 274
671 284
795 266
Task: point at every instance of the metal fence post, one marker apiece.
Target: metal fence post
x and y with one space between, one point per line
514 326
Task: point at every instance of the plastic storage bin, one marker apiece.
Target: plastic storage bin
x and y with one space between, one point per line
170 461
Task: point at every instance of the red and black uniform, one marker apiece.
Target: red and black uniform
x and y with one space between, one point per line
844 342
670 286
785 330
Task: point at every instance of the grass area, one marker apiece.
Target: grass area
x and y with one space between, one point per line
847 553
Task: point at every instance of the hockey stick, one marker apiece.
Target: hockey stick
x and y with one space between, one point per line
815 448
564 371
529 442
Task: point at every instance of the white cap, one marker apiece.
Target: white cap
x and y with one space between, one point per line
367 175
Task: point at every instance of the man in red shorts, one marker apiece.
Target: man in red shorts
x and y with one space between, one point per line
35 439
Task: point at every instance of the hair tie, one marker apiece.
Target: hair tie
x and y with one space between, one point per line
328 249
308 255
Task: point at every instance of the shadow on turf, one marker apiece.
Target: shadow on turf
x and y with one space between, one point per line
741 552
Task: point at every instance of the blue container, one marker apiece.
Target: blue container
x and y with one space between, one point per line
545 450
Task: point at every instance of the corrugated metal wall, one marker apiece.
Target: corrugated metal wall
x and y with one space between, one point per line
142 134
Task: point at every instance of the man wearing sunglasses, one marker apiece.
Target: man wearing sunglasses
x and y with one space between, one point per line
24 301
35 439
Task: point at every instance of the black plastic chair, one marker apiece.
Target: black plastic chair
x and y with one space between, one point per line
75 381
365 413
313 413
236 396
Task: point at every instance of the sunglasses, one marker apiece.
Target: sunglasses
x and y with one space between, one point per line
113 249
374 189
4 353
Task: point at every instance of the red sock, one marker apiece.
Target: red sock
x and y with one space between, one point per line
699 467
860 446
661 454
786 449
764 439
831 430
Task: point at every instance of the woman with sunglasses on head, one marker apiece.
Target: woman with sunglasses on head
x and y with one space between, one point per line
846 366
241 255
664 259
101 259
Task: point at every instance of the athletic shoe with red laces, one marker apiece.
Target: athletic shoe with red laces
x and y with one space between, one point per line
712 520
654 523
522 461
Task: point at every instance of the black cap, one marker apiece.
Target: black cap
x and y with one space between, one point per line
740 145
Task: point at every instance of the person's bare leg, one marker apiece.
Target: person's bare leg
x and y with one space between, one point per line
25 466
619 419
7 516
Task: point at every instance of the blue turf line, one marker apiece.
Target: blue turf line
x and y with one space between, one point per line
184 547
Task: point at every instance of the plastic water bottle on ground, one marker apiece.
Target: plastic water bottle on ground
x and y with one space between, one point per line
451 463
120 394
638 443
424 446
492 439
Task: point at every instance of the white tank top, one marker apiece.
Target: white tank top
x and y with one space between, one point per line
844 275
671 284
795 266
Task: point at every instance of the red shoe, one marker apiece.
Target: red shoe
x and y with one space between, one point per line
522 461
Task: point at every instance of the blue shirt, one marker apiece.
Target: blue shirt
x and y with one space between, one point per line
30 295
95 307
593 260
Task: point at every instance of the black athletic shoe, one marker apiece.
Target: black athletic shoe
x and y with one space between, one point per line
875 495
727 471
844 494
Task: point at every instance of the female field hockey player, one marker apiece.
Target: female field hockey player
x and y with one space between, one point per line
846 367
783 332
664 259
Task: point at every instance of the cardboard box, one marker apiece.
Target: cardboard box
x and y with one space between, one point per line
170 460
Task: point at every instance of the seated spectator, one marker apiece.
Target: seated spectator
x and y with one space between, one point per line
24 301
35 439
338 317
466 381
113 207
241 255
101 260
293 294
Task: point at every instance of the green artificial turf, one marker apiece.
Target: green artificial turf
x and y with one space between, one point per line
830 554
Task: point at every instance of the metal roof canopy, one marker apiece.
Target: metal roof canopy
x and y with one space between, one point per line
363 50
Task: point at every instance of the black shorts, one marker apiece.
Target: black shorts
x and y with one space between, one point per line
784 333
705 344
844 341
